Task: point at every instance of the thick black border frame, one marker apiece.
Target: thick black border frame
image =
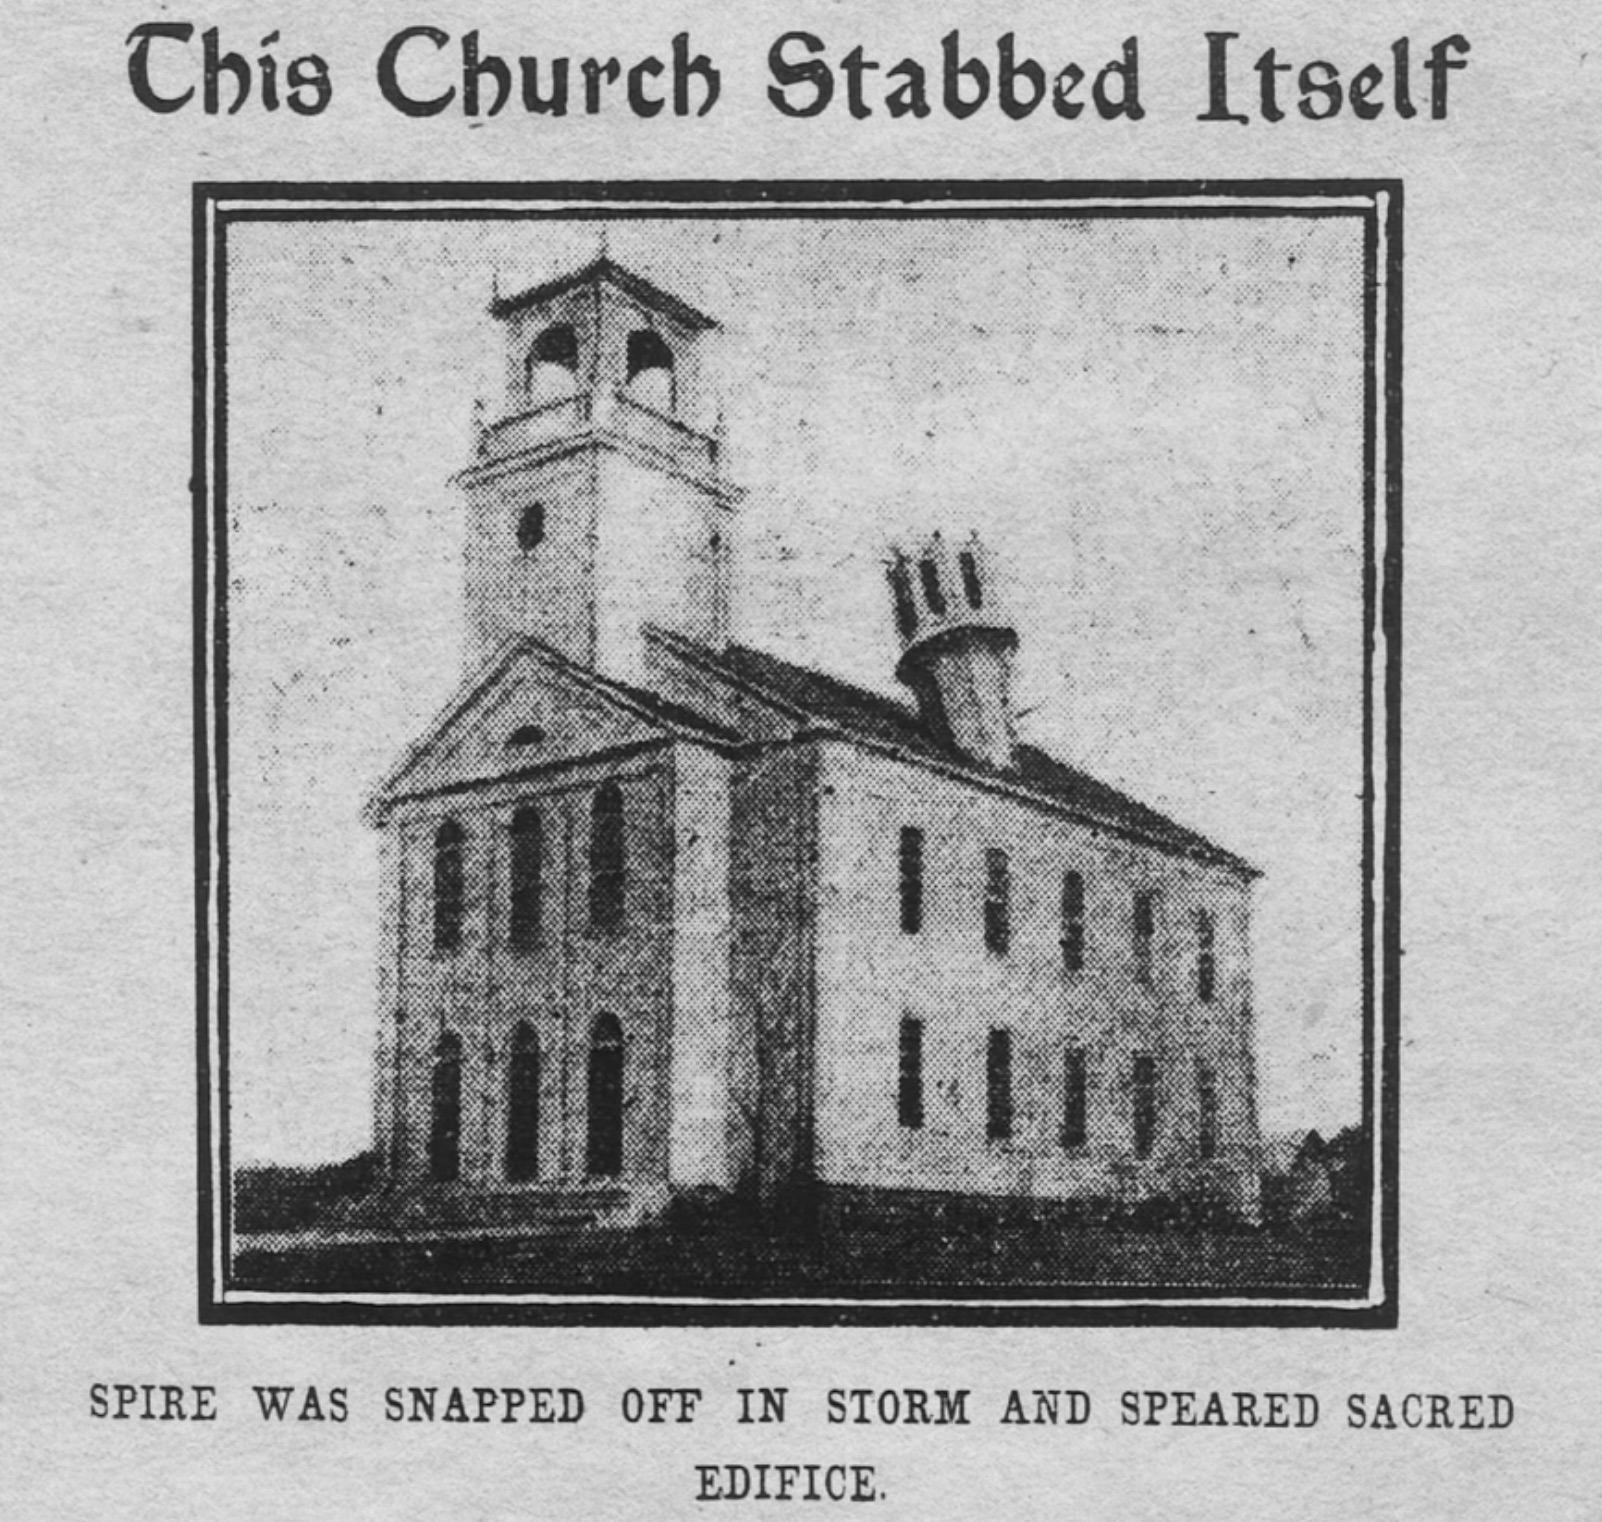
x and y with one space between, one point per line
1380 207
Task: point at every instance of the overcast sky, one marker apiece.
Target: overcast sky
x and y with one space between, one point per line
1156 425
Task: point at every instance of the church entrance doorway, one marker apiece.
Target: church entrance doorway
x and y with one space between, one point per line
605 1149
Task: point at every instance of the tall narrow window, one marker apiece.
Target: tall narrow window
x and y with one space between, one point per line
909 1097
969 567
524 927
933 593
1073 1098
1144 1095
998 902
604 1140
445 1126
911 879
998 1086
1206 960
608 865
1145 933
523 1106
1073 921
450 842
1207 1111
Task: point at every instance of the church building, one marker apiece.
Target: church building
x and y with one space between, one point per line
664 913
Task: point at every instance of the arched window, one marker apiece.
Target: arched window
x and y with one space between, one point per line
909 1096
998 902
531 527
1073 921
523 1106
604 1152
1144 1096
998 1085
608 863
1206 956
1207 1110
911 879
1074 1085
445 1128
523 928
1145 933
552 365
450 844
650 367
933 593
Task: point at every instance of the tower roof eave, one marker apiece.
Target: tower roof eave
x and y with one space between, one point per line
646 292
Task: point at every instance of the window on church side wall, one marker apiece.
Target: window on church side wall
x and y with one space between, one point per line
911 879
1074 1118
450 843
998 1086
1073 922
1143 1085
909 1094
1206 958
1207 1111
531 527
608 864
998 902
1145 932
969 567
524 908
933 593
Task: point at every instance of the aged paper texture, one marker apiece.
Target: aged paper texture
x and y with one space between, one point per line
804 758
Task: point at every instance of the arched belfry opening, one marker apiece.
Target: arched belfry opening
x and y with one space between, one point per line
650 370
551 370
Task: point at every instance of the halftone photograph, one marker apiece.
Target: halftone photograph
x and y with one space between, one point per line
799 753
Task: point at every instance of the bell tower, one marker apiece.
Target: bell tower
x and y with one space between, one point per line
596 499
957 644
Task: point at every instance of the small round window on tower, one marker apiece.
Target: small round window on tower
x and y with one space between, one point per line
531 527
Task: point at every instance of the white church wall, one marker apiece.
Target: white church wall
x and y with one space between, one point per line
698 1150
661 558
572 975
871 974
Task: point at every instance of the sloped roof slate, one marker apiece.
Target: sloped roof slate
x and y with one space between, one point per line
859 713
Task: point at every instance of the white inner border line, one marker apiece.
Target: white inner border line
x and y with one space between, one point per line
1375 204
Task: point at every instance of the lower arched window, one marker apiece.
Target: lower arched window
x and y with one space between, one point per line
523 1106
605 1139
445 1128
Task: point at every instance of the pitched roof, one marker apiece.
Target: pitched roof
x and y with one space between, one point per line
861 714
646 292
